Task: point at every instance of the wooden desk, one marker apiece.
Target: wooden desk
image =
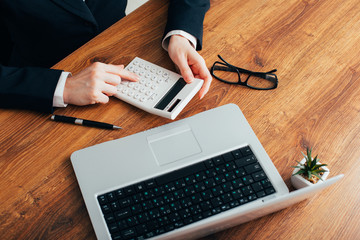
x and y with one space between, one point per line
315 46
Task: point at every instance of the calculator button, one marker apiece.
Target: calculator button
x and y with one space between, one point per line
142 65
159 72
154 78
142 90
147 67
141 73
153 96
148 84
160 80
154 87
136 87
165 75
125 90
131 93
153 70
131 85
131 68
142 99
147 75
136 62
142 81
148 93
137 96
136 70
119 87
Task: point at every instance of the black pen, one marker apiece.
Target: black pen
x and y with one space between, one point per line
89 123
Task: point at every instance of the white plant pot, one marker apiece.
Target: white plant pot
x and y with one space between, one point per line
299 182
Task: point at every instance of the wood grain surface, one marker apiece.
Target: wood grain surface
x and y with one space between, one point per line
315 45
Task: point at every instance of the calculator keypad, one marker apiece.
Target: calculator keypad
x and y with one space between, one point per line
154 82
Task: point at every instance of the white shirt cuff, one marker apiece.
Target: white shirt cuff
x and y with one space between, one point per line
58 100
188 36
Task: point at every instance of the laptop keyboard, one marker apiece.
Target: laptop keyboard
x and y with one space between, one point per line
185 196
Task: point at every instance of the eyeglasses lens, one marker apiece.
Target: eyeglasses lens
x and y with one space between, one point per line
260 83
225 73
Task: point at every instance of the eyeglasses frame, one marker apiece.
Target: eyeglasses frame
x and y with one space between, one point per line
231 68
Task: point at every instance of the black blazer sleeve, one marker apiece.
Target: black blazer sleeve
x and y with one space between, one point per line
188 15
28 88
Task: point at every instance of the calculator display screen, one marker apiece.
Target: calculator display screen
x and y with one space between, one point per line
169 96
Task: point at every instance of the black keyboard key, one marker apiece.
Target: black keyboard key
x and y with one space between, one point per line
116 236
246 151
237 154
227 186
141 229
102 199
242 161
266 183
123 213
106 208
259 176
260 194
218 160
135 209
180 183
240 172
253 168
207 214
122 224
169 177
238 183
252 197
109 218
150 183
228 157
257 186
119 193
205 205
129 190
125 202
115 206
216 201
132 221
111 197
206 195
227 197
140 187
237 194
209 163
128 233
113 227
270 190
247 180
247 190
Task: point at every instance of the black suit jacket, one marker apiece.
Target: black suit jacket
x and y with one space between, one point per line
37 34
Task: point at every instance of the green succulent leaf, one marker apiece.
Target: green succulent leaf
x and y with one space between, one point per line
311 167
318 176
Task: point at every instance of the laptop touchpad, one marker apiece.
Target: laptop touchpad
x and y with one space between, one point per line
173 145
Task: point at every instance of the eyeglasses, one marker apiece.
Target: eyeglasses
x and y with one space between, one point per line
228 73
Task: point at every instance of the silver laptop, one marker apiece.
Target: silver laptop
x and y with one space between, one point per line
183 180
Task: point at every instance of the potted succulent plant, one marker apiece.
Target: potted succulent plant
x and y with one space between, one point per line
309 171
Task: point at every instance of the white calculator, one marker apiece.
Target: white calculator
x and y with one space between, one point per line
159 91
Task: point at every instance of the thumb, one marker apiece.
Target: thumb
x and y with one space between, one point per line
185 70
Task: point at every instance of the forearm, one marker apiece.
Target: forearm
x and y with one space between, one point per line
28 88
